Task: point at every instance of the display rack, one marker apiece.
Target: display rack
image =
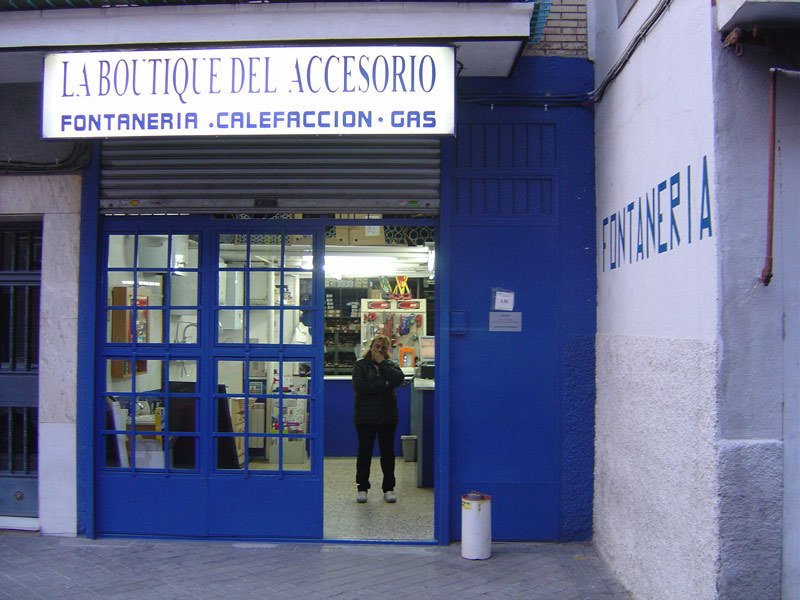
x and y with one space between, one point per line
342 328
402 321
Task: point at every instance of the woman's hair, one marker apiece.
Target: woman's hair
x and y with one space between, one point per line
372 343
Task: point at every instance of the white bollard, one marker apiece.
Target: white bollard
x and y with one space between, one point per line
476 526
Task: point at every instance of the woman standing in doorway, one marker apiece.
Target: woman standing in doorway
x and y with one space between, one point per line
375 378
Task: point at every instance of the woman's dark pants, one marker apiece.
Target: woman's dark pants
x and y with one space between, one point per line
366 442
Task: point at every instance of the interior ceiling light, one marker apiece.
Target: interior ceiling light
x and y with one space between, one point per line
338 266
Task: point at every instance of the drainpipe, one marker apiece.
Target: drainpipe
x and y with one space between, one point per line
766 272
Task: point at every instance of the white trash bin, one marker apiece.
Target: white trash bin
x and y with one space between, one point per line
476 526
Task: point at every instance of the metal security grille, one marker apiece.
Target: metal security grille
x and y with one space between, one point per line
20 275
278 174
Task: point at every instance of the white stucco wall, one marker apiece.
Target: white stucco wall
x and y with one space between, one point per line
788 278
656 508
56 200
758 327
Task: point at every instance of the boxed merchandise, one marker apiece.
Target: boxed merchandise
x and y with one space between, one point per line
366 235
341 237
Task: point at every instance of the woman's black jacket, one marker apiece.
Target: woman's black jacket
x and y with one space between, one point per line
374 385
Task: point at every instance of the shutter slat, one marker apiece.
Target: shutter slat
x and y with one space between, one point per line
324 175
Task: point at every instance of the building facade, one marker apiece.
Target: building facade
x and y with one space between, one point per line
695 483
613 174
509 169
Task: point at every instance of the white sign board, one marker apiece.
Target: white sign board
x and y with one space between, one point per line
354 90
505 321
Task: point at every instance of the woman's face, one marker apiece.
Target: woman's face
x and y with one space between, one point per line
380 345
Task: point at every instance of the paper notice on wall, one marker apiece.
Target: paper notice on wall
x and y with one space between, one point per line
505 321
502 299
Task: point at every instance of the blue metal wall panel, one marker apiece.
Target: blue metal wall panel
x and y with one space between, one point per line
145 505
258 508
522 404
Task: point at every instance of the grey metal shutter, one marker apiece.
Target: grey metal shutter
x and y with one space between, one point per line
397 175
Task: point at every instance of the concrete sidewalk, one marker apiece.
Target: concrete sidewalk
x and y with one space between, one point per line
56 568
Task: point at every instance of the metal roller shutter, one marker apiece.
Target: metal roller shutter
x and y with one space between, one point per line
274 174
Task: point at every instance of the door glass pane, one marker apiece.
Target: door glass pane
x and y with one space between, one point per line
295 378
267 327
122 373
120 251
262 288
182 414
287 416
120 288
230 373
150 289
230 415
144 325
231 284
232 251
290 416
305 297
182 401
120 370
149 451
230 420
118 375
231 287
150 326
265 251
294 451
233 333
184 252
264 326
183 326
297 327
257 429
296 454
116 450
118 326
298 252
146 420
261 374
183 288
182 452
152 251
116 446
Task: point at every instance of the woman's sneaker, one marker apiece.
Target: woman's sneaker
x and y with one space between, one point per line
361 497
390 496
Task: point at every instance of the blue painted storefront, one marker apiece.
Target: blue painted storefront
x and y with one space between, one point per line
519 216
514 411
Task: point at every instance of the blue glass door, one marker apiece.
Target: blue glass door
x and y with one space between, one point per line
210 384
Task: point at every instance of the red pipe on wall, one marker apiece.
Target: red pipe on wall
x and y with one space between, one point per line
766 272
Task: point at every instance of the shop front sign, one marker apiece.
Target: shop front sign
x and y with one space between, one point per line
359 90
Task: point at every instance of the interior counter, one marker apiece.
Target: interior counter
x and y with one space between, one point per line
422 426
340 432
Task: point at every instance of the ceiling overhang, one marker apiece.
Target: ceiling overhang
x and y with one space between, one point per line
488 36
749 13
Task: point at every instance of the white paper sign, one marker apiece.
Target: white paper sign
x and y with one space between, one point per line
505 321
503 300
